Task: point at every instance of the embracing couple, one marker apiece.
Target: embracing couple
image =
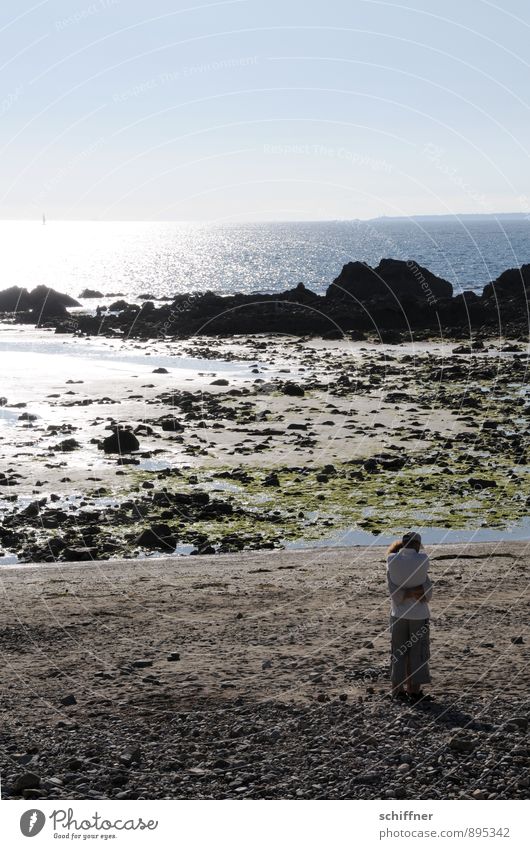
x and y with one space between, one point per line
410 591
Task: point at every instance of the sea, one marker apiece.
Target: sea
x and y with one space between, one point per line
162 259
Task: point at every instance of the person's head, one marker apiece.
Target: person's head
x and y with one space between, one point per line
411 540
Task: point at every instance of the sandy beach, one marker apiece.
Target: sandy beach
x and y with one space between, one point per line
261 675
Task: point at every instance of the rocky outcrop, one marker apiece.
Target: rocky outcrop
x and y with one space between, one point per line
91 293
513 283
392 280
14 299
395 297
41 300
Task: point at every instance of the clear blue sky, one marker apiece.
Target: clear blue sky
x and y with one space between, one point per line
249 110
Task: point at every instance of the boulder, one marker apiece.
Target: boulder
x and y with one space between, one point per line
482 483
158 537
80 554
121 441
293 389
170 423
26 781
33 509
67 445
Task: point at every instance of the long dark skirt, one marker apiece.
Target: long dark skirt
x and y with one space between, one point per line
410 651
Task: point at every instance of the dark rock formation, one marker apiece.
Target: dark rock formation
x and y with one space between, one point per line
120 306
392 280
513 283
91 293
395 298
43 300
14 299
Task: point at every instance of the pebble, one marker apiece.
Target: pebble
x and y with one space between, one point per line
234 748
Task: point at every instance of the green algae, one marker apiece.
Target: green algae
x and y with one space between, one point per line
432 489
309 502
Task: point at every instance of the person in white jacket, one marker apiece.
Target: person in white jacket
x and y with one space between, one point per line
410 592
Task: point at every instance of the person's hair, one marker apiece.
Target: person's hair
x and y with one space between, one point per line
412 543
394 547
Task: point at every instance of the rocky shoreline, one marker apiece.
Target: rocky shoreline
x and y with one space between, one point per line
397 300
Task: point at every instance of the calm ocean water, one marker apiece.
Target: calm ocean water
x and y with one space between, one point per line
164 258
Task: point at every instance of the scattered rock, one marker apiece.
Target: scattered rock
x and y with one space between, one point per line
459 742
482 483
170 423
131 756
67 445
293 389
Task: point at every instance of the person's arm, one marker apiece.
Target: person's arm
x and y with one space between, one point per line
428 589
423 592
398 594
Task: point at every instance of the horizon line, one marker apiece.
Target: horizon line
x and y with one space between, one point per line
419 216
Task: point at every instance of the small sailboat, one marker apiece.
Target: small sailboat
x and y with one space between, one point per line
43 218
